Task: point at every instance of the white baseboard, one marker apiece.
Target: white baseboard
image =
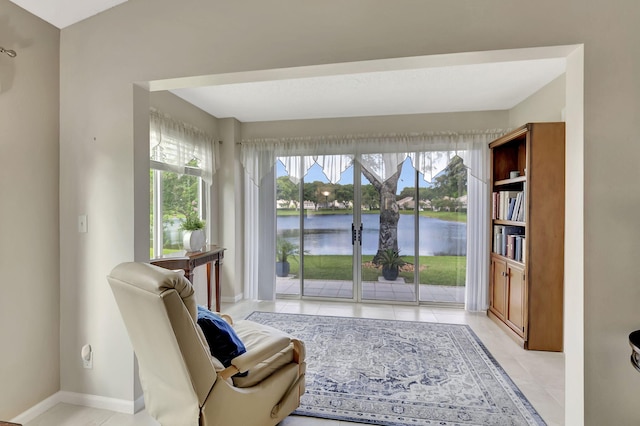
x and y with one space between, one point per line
86 400
138 404
235 299
37 409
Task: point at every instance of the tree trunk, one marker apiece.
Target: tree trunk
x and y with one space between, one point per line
389 214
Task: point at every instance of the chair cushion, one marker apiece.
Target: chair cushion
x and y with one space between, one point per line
223 341
252 334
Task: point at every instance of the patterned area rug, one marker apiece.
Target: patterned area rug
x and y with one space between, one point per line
401 373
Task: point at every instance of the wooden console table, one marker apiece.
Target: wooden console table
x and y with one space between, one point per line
191 260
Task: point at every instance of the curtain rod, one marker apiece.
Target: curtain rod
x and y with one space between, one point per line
373 137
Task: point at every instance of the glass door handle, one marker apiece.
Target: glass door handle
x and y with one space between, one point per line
353 234
360 235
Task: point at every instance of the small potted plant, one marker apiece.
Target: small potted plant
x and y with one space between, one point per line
391 261
285 249
193 238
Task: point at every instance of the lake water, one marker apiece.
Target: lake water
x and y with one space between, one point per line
331 234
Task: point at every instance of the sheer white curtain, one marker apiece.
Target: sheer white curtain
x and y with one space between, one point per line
175 144
430 153
260 238
477 159
334 154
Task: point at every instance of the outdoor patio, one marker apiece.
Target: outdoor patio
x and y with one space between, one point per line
397 291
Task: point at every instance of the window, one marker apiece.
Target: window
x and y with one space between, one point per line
173 196
182 163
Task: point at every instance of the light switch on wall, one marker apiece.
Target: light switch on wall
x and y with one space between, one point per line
82 223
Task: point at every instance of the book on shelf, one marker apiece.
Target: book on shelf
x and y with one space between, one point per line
512 204
523 199
497 239
506 205
511 246
494 203
517 207
504 240
518 248
506 197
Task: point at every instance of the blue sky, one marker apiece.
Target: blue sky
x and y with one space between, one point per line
315 173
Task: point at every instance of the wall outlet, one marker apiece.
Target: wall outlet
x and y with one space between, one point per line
87 356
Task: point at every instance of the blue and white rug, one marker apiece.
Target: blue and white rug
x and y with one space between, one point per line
401 373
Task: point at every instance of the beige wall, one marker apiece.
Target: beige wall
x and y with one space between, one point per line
181 110
545 105
29 242
102 57
230 202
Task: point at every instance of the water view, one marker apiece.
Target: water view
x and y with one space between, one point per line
331 234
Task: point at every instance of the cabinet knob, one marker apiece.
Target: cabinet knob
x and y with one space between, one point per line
504 274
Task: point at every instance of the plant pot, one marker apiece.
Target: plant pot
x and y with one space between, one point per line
193 240
282 269
390 273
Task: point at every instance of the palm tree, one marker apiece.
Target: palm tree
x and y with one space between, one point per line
389 214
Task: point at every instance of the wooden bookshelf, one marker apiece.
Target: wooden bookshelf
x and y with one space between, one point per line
526 284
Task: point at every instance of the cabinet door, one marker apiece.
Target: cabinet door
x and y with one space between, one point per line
516 298
498 301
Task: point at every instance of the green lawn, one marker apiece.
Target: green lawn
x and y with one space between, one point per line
165 251
450 216
435 270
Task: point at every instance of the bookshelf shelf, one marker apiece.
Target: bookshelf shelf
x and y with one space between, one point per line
509 182
499 256
526 287
509 223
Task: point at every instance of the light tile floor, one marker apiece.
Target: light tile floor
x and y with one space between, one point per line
539 375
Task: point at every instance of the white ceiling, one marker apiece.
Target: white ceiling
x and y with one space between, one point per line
456 88
450 86
62 13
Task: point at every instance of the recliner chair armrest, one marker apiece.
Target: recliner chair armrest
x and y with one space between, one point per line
256 355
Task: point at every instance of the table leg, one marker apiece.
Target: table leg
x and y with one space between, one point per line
209 288
217 267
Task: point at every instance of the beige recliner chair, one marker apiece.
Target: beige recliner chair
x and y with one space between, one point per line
183 384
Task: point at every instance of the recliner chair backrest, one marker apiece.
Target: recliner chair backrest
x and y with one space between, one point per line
176 371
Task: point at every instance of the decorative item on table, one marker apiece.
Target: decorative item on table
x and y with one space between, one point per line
193 238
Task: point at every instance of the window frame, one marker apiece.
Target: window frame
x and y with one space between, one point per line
157 229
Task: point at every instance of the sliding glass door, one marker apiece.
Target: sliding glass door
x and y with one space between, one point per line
328 255
317 232
388 235
442 233
289 205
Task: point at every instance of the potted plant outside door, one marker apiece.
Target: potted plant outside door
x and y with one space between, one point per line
390 261
285 249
